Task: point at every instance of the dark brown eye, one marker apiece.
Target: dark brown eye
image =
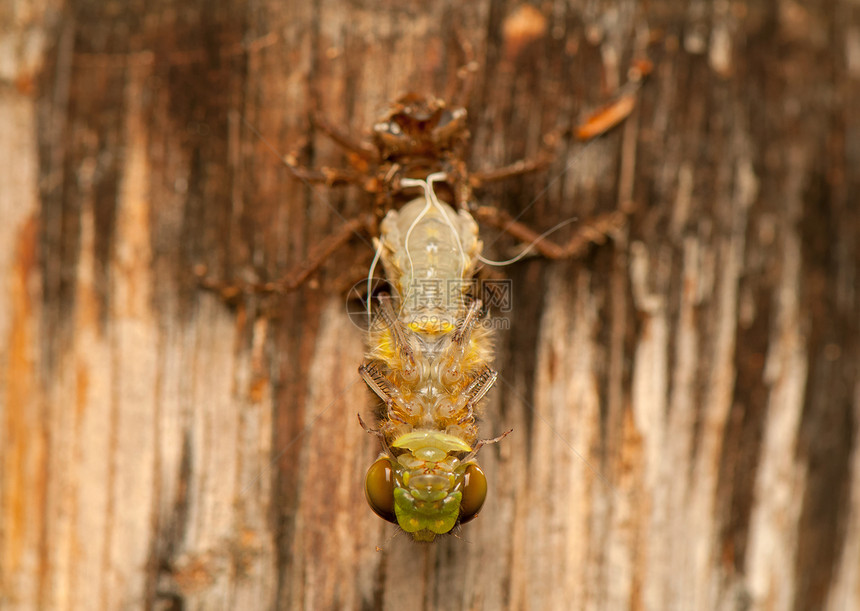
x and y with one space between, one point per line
379 489
474 493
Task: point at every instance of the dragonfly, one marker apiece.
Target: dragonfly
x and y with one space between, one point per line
429 347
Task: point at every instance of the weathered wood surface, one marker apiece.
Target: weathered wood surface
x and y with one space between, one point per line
685 402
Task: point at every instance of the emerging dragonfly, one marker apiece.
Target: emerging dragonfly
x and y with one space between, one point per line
428 361
428 354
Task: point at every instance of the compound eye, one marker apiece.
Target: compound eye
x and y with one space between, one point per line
379 489
474 493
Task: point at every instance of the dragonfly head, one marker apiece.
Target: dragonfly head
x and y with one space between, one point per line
426 490
420 125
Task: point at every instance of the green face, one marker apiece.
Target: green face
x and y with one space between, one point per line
426 490
426 519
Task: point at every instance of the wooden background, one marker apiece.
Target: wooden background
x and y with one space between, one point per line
685 401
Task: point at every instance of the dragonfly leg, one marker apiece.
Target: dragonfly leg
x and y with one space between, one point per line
591 231
378 383
459 88
476 391
485 442
331 177
297 276
453 357
518 168
364 150
401 343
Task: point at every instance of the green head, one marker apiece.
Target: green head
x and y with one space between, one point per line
426 490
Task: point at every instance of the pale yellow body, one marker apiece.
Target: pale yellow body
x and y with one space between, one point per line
428 360
431 275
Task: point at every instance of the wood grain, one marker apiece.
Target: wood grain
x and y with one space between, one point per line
685 400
